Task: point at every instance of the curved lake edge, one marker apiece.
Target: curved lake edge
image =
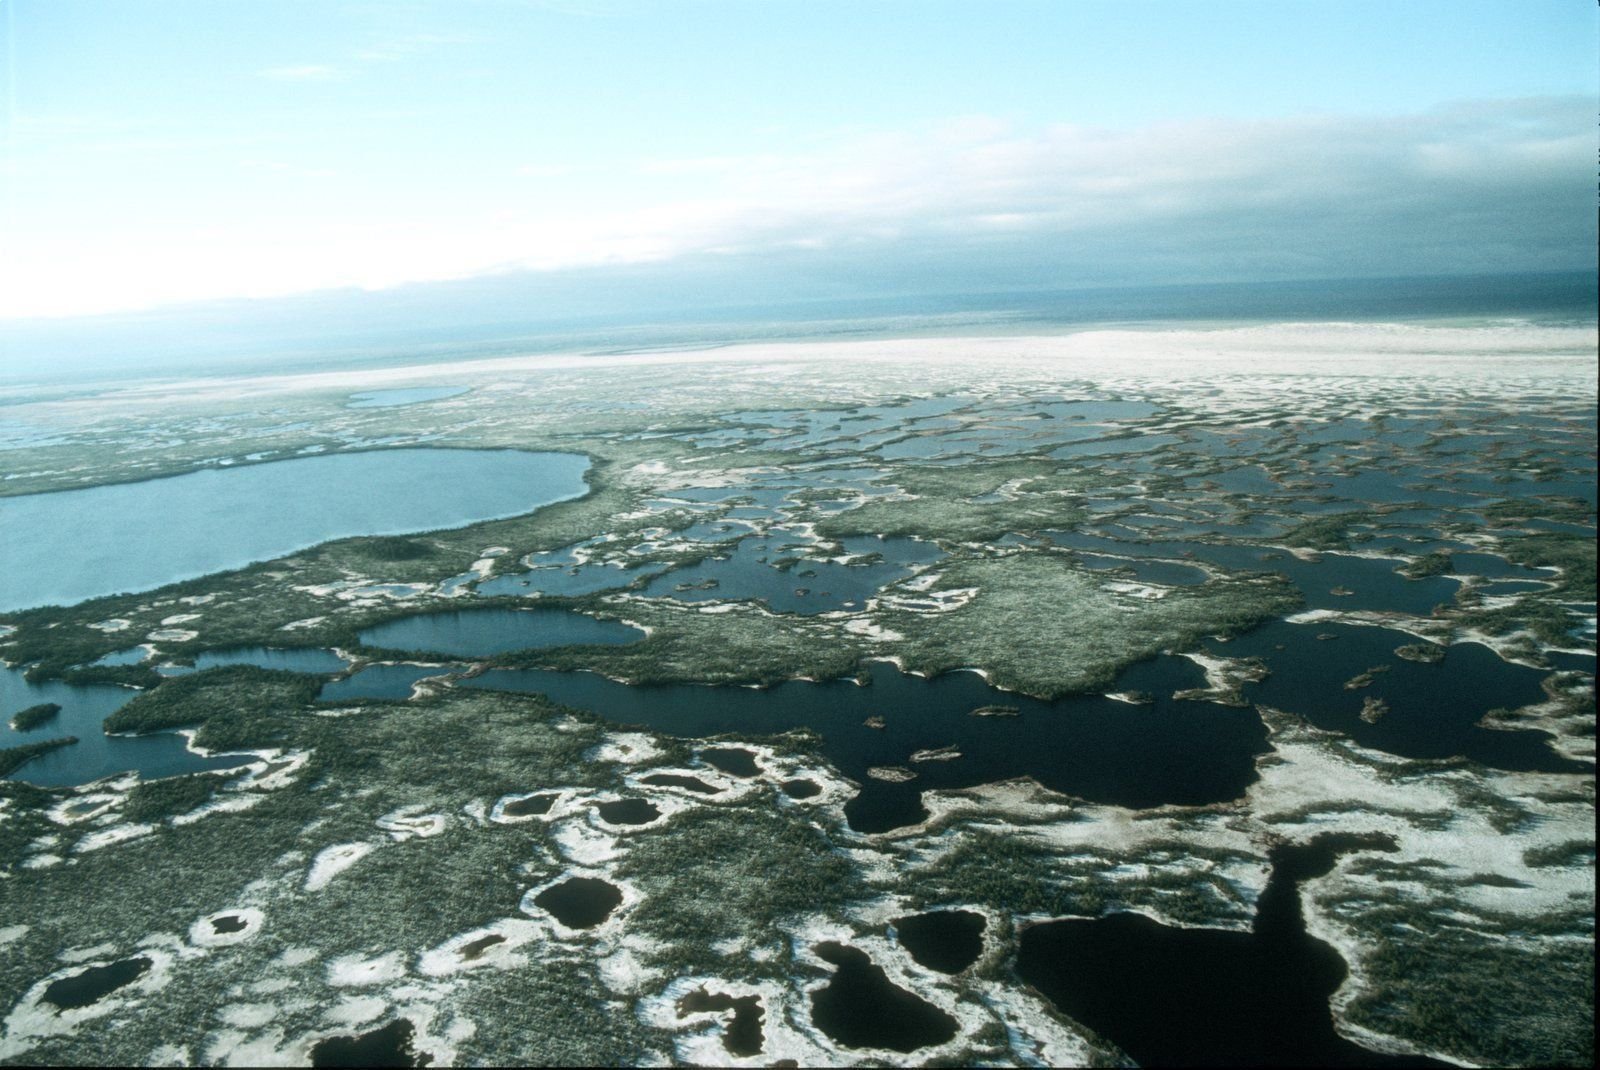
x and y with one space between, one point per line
588 480
176 472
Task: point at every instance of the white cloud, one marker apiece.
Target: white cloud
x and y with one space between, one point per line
1499 185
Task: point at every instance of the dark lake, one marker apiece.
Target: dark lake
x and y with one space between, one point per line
1207 997
481 632
1098 748
861 1008
58 547
1432 709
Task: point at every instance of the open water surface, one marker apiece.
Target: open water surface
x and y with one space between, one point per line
68 546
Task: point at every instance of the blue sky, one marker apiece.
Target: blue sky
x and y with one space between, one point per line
165 151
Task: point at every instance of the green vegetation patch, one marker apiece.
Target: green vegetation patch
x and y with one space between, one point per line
943 505
153 800
28 719
1572 554
741 643
238 705
1043 626
1479 995
720 873
12 758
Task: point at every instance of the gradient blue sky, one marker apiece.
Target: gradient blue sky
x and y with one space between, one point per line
161 151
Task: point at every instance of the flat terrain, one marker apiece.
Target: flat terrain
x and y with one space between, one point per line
840 634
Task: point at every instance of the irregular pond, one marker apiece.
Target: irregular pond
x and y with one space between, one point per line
60 548
1207 997
580 902
390 1045
742 1036
678 780
1101 749
1429 710
481 632
735 761
627 811
95 755
530 806
945 940
861 1008
88 986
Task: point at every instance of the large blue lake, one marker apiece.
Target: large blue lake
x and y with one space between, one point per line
69 546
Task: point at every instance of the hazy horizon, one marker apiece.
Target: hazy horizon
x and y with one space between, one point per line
613 156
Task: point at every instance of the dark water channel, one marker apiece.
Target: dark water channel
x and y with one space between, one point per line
1101 749
482 632
1208 997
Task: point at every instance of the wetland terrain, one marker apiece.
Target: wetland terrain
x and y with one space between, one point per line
1064 700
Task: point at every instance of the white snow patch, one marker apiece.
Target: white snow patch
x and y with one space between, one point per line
332 861
353 971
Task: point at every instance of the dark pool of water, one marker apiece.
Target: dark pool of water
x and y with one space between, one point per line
96 754
58 547
87 986
735 761
529 807
1433 709
581 902
1494 567
390 1045
627 811
482 632
801 788
228 923
1206 997
861 1008
742 1036
1103 750
381 681
945 940
676 780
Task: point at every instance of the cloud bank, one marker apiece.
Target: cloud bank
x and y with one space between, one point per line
1484 186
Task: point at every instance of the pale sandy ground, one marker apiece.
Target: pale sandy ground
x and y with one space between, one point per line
1544 354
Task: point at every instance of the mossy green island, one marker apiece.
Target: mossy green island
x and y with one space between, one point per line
1338 602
